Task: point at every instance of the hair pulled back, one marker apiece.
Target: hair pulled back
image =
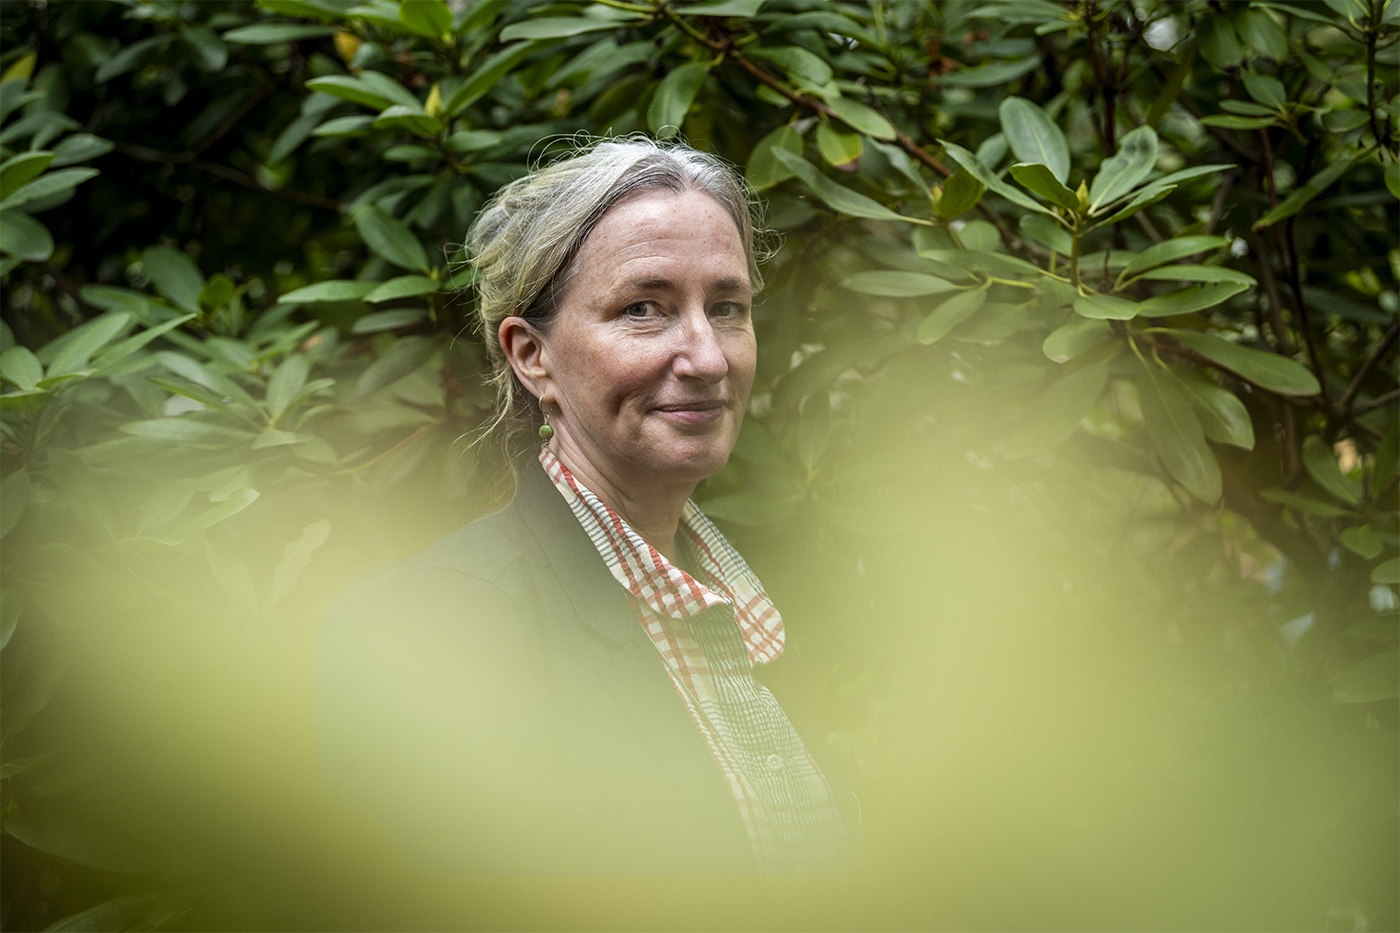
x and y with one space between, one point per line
524 244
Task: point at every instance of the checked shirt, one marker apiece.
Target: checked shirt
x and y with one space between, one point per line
710 632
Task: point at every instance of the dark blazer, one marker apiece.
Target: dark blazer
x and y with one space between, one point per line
496 704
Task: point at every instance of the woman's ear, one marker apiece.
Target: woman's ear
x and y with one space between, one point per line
525 351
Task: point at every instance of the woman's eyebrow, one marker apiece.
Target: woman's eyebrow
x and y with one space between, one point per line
657 283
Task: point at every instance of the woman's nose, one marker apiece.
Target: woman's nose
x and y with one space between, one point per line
700 355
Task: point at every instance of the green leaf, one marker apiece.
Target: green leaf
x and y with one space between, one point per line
296 556
217 292
285 383
837 148
354 89
186 431
333 290
800 64
429 17
87 340
387 320
840 199
744 8
1247 108
1322 466
1143 199
487 76
1392 178
1058 412
80 147
270 33
1070 340
1376 678
896 284
344 126
473 140
860 117
1303 503
1314 186
1266 90
1172 250
48 184
1034 138
1387 572
405 286
1218 42
1106 307
1176 433
237 501
1341 121
952 312
18 171
409 120
961 192
673 97
388 237
119 351
992 74
1192 298
1262 34
174 275
1040 180
1189 273
556 27
976 260
1122 171
764 170
23 236
985 175
1047 233
1267 370
1230 121
1223 416
403 357
21 367
1361 540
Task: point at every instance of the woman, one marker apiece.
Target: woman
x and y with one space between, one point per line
566 685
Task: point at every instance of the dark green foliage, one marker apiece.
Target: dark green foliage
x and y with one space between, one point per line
1081 311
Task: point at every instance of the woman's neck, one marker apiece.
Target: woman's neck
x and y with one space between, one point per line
653 511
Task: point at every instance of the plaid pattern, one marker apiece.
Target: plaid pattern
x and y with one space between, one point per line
710 634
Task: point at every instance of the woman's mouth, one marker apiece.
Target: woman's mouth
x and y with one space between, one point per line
693 413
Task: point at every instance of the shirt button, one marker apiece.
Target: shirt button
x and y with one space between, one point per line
774 763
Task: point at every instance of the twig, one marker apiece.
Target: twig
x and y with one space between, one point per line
146 154
1377 402
1388 341
1217 206
1295 281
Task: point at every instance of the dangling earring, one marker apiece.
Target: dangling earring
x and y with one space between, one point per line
546 432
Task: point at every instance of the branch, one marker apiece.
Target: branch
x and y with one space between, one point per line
147 154
1388 341
1377 402
1297 286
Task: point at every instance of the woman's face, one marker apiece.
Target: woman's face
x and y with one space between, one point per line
649 362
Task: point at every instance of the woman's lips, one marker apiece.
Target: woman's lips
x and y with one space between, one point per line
693 413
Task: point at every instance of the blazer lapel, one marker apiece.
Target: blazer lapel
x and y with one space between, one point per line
634 674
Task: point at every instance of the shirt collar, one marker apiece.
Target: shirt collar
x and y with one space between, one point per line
665 588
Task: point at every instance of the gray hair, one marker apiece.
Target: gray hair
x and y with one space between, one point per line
524 243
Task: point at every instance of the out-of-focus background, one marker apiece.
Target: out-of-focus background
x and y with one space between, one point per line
1071 461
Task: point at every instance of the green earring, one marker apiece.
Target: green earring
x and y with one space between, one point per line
546 432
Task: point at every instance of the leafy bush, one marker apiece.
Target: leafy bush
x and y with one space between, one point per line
1105 292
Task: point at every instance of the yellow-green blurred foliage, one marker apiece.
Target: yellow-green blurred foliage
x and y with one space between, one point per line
1070 462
